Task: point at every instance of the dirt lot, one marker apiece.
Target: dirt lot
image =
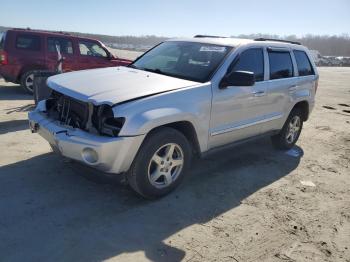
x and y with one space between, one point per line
243 204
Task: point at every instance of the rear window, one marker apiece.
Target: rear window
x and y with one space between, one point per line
2 41
303 63
281 65
28 42
65 45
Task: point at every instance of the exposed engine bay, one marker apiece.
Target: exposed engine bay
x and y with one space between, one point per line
86 116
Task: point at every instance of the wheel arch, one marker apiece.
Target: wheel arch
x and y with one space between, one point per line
187 129
304 107
28 68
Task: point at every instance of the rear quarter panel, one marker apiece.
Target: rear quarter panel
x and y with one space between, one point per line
21 60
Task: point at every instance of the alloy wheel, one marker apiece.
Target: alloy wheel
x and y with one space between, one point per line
293 129
165 165
29 82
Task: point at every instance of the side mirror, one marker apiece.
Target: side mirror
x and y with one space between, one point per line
238 78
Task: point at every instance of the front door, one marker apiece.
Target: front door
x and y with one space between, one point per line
238 111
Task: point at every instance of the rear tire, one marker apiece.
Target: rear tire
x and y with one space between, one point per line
290 132
27 81
161 163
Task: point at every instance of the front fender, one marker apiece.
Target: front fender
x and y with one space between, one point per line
148 120
191 105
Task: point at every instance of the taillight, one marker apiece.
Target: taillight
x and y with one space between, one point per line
316 86
3 58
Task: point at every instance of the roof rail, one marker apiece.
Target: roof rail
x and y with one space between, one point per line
42 31
277 40
210 36
27 28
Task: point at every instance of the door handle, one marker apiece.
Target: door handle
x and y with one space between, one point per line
292 88
259 93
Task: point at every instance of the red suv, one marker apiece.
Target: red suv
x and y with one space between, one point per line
24 51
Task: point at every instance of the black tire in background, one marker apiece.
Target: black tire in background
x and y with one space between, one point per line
281 141
27 81
139 174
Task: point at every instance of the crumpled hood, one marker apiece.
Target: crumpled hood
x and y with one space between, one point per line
113 85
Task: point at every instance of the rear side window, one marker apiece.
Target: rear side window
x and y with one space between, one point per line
281 65
2 41
28 42
91 49
65 45
303 63
251 60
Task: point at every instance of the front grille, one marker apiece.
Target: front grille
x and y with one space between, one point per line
68 111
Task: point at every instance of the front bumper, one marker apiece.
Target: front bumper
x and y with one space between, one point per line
108 154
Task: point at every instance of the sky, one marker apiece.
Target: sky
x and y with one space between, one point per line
176 18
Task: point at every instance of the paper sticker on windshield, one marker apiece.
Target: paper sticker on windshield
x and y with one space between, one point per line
220 49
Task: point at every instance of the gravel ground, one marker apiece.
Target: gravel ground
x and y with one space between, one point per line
250 203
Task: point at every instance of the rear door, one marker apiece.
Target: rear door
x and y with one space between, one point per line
92 55
282 82
65 44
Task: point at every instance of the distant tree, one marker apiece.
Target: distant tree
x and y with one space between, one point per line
335 45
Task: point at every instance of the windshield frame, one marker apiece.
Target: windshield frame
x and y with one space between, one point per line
211 73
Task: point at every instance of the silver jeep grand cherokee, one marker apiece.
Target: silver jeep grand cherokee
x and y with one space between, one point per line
183 97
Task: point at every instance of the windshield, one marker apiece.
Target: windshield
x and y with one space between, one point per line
186 60
2 40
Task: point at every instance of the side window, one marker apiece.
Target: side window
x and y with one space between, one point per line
91 49
281 65
303 63
2 40
65 45
28 42
250 60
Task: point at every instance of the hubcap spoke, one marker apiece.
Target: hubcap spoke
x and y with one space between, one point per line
157 159
170 151
167 178
177 162
156 175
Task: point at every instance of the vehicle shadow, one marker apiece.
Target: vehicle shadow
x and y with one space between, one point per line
51 213
13 92
24 108
13 126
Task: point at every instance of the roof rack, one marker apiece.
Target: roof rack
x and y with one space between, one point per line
42 31
277 40
210 36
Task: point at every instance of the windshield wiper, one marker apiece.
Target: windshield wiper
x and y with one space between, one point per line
133 66
157 70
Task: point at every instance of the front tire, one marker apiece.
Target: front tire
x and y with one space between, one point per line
161 163
290 132
27 81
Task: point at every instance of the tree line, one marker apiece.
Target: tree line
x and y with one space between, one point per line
328 45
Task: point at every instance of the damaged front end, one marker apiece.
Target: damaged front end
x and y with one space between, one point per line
82 115
84 132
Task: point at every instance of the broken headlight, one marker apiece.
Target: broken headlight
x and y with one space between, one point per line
105 122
